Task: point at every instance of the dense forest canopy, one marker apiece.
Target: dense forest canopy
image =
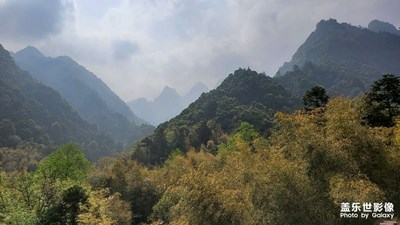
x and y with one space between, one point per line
311 163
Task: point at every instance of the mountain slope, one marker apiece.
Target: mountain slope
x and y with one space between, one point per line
341 55
33 113
167 105
243 96
86 93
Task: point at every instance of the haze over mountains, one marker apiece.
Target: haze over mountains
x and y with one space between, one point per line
32 113
344 59
167 105
87 94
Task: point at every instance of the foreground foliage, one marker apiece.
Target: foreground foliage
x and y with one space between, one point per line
56 193
312 162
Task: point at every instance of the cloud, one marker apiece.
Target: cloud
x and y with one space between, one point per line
26 20
139 46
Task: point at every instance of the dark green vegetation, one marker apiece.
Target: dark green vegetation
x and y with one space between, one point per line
58 193
382 103
87 94
343 59
314 98
35 117
244 96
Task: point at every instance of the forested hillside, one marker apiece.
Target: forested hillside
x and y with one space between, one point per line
87 94
35 115
244 96
311 163
342 58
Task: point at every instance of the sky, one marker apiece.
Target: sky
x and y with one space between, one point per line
139 46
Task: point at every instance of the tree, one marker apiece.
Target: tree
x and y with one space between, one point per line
382 103
67 162
314 98
105 208
67 210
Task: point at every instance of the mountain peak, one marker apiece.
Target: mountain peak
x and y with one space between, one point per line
167 94
196 90
345 59
169 91
166 105
380 26
247 85
199 86
329 26
168 88
29 51
327 23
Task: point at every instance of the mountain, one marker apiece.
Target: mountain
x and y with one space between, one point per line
194 93
167 105
342 58
380 26
244 96
36 114
86 93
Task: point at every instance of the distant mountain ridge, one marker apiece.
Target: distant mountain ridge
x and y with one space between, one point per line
342 58
33 113
166 105
86 93
244 96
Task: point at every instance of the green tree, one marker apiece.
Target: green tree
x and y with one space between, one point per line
314 98
68 209
67 162
382 103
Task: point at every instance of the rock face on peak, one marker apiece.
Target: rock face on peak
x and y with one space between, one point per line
86 93
380 26
344 59
244 96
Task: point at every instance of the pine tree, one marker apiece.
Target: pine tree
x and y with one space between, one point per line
382 103
314 98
